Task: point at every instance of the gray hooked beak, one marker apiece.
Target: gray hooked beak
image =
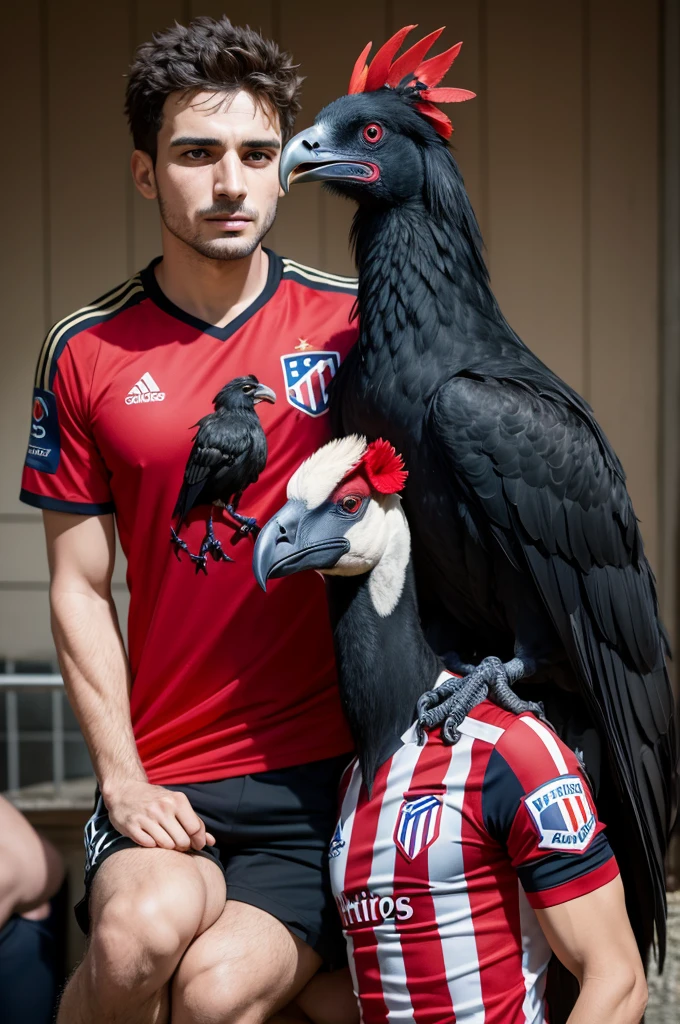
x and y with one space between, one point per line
264 394
309 157
293 540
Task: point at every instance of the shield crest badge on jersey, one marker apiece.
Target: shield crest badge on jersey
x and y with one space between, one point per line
418 824
307 377
562 814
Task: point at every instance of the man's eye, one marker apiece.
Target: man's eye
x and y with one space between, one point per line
197 154
257 157
350 503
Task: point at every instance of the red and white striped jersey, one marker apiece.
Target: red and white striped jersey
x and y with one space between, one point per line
436 874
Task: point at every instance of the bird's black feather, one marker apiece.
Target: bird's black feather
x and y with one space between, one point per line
229 451
524 536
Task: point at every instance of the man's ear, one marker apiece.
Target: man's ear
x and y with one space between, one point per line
143 174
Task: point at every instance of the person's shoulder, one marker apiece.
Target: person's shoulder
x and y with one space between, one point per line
81 323
534 751
317 280
488 722
522 740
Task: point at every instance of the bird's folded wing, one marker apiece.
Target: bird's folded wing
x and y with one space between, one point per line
533 469
203 460
217 444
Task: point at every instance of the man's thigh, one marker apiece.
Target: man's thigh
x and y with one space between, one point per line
243 969
150 890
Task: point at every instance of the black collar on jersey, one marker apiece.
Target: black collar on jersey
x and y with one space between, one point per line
152 289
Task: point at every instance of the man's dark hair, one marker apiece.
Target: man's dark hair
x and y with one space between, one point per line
208 55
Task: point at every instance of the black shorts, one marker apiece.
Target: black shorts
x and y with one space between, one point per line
272 832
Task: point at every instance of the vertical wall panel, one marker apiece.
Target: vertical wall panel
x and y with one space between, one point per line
259 14
535 234
624 240
298 227
327 42
22 173
149 16
88 150
462 22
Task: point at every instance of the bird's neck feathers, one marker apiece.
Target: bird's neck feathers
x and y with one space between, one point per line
384 661
421 262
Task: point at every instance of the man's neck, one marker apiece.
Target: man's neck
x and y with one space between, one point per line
216 291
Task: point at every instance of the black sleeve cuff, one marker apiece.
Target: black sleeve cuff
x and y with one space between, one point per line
79 508
560 868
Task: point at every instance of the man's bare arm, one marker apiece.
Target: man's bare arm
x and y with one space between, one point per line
592 937
31 870
81 554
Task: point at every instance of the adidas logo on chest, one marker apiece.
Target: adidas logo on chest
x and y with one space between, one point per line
145 390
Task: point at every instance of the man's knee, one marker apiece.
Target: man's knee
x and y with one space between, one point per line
213 994
134 936
141 929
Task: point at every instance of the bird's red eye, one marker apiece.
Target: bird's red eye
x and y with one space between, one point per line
373 133
350 503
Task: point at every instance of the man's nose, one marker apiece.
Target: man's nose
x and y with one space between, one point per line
230 179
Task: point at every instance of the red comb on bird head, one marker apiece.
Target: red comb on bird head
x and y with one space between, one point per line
383 467
412 69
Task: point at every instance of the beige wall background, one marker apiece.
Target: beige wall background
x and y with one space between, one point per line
560 154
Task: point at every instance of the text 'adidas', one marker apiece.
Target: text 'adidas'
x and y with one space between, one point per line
145 390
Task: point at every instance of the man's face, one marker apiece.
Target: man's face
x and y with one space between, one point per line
216 172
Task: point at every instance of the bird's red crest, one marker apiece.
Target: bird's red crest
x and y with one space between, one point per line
384 467
414 70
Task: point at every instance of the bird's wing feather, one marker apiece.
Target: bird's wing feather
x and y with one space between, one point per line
216 446
535 469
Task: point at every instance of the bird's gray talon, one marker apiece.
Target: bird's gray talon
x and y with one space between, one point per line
455 698
450 732
427 701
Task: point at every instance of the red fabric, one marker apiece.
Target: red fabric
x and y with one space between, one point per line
493 895
226 680
421 940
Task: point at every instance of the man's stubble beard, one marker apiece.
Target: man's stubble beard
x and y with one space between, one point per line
215 248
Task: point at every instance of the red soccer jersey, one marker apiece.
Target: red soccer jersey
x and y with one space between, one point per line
226 680
436 874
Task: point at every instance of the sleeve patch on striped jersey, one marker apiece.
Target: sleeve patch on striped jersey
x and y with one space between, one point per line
44 442
563 815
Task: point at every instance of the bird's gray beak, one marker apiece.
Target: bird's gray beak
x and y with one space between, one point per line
264 394
309 157
293 540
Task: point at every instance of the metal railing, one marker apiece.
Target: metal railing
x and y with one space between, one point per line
12 684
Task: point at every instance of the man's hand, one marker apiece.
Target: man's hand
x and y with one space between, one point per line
154 816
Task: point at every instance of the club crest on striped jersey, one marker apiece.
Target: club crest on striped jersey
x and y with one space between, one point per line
562 813
307 377
337 843
418 824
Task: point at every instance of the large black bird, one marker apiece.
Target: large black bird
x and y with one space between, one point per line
229 453
526 546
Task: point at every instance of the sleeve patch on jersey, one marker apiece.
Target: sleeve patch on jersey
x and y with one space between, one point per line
44 442
563 815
